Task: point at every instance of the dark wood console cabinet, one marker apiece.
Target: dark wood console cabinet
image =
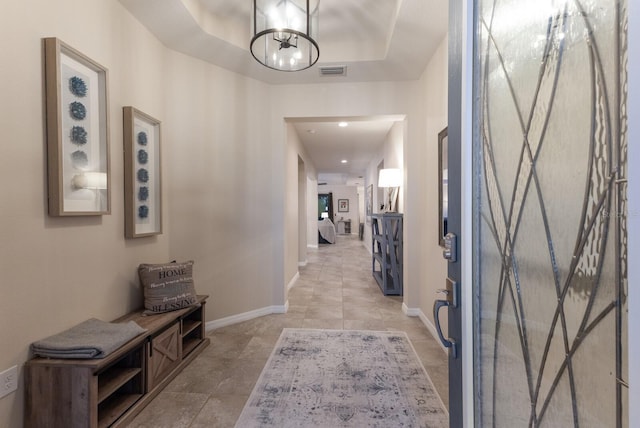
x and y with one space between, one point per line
111 391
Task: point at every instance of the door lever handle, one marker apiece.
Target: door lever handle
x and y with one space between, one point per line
448 343
451 299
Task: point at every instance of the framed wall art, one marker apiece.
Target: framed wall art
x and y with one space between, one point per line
142 174
443 188
343 205
77 132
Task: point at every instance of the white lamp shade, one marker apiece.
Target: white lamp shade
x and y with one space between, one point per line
390 177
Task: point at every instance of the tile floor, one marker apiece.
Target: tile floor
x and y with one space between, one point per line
335 291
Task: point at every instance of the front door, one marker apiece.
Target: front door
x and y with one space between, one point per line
550 197
450 219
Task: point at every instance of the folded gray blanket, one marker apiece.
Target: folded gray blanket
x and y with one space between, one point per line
90 339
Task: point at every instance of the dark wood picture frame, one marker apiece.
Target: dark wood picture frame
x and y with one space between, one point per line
443 197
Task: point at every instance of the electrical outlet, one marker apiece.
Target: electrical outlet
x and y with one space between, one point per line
8 381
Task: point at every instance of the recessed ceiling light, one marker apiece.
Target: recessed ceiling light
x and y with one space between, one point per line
343 124
344 161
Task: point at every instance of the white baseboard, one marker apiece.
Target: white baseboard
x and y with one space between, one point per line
302 264
315 246
417 312
282 309
410 312
293 281
246 316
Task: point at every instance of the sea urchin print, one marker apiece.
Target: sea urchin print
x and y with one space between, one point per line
143 156
78 110
77 86
143 175
79 159
78 135
143 193
143 211
142 138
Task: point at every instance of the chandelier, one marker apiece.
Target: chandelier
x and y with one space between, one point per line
284 32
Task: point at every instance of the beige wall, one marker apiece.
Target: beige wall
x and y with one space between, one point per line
391 155
409 146
222 159
394 155
60 271
413 146
295 152
222 208
219 172
312 212
291 243
326 100
433 270
302 212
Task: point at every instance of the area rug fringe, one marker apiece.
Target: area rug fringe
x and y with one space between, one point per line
343 378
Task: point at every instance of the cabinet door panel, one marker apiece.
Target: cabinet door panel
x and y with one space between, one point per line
165 354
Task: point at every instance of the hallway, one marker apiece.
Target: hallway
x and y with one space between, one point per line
335 291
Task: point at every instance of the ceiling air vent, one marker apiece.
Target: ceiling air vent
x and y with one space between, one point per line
333 70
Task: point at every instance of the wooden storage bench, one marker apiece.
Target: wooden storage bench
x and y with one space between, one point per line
111 391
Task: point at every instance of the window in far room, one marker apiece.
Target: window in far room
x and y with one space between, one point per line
325 206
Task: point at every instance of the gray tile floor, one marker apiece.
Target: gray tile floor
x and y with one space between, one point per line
335 291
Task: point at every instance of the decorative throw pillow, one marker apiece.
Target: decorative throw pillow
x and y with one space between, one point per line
167 286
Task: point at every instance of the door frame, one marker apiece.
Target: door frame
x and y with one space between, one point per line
633 219
466 21
460 343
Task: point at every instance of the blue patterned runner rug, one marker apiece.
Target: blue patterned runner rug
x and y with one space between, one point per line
343 378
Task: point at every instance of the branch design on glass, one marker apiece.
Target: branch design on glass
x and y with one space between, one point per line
553 303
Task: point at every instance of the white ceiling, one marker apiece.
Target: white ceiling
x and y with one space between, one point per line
377 40
328 144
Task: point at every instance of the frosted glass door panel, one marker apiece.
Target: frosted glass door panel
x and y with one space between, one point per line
550 197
